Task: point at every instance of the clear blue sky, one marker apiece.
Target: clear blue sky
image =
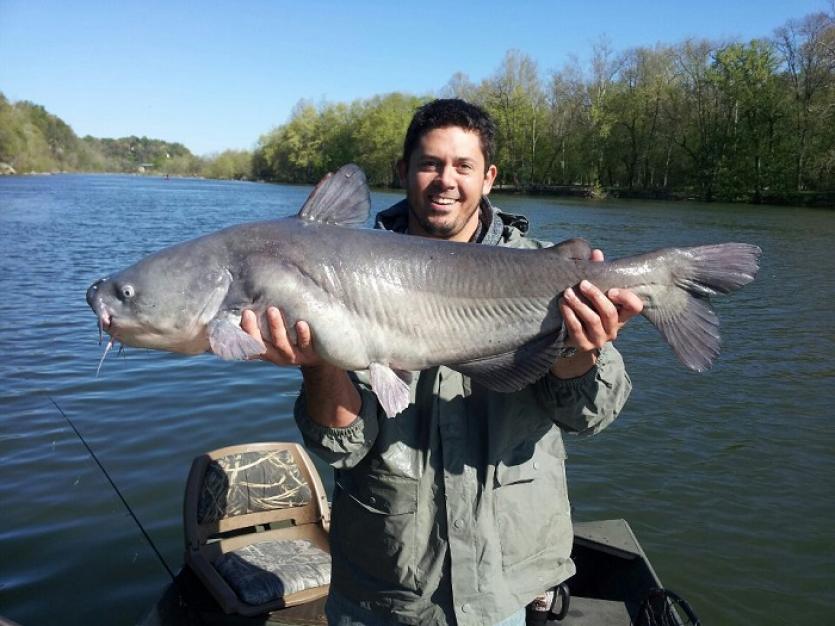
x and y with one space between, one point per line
216 75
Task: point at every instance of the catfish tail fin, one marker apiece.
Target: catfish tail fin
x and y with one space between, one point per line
683 314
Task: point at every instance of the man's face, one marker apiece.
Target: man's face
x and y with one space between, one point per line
445 179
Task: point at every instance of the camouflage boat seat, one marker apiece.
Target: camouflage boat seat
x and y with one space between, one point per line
256 521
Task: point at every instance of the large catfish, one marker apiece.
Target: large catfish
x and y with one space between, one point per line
392 304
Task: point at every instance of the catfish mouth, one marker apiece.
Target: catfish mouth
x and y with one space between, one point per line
103 312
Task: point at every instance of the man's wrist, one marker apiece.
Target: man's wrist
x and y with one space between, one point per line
575 365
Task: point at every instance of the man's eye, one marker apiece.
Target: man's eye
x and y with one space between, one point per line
465 167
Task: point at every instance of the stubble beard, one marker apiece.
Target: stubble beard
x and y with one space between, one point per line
444 230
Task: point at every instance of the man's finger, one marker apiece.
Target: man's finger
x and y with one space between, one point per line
592 327
279 334
596 255
249 324
605 308
629 304
303 335
573 327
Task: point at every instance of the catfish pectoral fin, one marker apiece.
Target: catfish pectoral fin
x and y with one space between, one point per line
230 342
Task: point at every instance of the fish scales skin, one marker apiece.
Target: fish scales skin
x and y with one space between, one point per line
416 301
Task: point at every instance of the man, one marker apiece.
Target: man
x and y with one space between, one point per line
455 510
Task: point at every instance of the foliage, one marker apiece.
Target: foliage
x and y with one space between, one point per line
320 139
34 140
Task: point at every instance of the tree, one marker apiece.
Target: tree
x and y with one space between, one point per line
515 98
807 47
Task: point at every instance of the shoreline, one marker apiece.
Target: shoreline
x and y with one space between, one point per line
799 199
804 199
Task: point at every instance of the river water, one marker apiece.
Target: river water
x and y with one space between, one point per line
726 477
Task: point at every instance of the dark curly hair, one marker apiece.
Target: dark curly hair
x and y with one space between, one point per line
446 112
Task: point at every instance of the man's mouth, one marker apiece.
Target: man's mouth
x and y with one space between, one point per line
442 200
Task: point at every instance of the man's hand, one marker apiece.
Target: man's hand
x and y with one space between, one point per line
592 319
281 350
332 399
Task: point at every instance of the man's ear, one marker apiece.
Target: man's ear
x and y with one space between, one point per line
489 178
402 172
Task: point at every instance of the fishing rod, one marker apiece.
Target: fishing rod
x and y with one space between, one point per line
191 614
118 492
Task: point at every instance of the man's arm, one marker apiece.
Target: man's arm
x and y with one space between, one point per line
332 399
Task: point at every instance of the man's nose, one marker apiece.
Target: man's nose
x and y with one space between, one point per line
446 176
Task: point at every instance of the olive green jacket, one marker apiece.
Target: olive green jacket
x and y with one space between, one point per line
456 510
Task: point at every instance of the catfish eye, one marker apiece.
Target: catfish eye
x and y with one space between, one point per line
126 292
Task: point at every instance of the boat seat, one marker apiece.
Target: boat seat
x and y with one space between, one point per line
256 521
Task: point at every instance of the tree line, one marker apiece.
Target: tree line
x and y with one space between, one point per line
724 120
34 140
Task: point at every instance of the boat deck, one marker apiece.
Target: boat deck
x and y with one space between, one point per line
613 578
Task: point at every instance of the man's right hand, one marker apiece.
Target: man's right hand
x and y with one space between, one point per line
332 399
281 350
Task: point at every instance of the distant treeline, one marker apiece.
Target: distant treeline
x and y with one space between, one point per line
34 140
723 120
715 120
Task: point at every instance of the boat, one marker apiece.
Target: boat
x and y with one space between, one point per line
615 584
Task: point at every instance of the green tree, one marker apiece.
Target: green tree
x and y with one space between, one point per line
379 129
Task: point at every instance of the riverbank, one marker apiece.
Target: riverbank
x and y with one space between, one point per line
809 199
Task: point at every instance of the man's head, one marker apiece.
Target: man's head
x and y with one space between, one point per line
443 113
447 167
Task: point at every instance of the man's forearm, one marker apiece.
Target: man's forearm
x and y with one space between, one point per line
332 399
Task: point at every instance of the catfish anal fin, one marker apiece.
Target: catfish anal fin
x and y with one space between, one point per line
511 371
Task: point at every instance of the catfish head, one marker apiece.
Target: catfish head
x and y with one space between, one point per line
165 301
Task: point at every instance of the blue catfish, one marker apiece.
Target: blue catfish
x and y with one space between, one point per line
394 304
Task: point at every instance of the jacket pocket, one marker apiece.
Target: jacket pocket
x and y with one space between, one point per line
373 529
531 505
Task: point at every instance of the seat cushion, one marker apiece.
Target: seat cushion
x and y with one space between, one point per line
264 572
251 482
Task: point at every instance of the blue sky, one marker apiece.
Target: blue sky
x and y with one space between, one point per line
216 75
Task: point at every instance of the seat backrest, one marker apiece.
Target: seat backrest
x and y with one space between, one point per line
239 487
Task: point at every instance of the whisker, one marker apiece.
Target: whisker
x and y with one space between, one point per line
106 350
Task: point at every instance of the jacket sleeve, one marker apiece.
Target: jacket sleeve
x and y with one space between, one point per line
344 447
589 403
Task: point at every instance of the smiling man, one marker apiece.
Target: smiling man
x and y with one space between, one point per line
445 178
455 511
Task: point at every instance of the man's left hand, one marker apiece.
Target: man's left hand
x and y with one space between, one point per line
592 319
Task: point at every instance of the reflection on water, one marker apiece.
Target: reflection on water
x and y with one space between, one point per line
726 477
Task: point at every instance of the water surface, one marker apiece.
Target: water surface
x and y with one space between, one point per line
726 477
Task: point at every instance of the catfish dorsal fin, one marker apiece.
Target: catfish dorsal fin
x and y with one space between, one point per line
340 198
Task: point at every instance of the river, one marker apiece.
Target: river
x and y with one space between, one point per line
726 477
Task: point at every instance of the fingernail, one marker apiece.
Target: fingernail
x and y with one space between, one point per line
569 293
613 293
585 285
